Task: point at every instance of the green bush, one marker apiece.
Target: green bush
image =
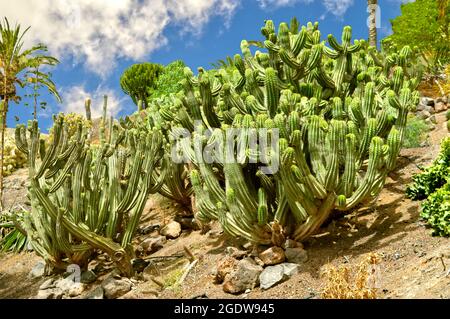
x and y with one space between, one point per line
11 237
169 80
432 177
416 132
436 211
447 115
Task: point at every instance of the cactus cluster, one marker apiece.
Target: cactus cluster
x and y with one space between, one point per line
88 197
176 186
339 109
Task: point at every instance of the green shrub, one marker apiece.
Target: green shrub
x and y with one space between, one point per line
432 177
447 115
436 211
11 237
169 80
416 132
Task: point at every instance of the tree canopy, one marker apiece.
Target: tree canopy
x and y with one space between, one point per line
139 81
423 24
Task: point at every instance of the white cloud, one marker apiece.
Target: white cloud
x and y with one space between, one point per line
274 4
75 97
336 7
98 32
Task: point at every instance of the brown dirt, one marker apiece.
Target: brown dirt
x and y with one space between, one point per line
413 263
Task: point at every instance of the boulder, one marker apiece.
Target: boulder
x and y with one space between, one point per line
224 267
272 256
172 230
114 288
245 276
235 253
296 255
37 271
440 107
424 114
188 223
427 101
442 99
290 269
290 243
273 275
76 289
420 107
53 293
430 109
88 277
66 284
97 293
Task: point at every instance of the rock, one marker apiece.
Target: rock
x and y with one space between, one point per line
235 253
65 284
248 246
49 283
440 106
245 276
427 101
420 107
187 222
151 245
272 256
76 289
296 255
97 293
442 99
290 243
114 288
271 276
54 293
430 109
259 261
171 230
38 270
149 229
433 119
225 266
290 269
88 277
139 264
424 114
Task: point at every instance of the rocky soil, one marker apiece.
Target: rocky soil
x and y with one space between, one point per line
176 261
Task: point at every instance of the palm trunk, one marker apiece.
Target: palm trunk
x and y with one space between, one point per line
372 8
3 129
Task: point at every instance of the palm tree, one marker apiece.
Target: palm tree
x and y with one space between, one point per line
372 6
15 63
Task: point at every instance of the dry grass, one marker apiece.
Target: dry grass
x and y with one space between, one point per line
358 282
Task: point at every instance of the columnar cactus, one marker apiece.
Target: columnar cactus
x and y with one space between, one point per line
340 114
158 117
87 197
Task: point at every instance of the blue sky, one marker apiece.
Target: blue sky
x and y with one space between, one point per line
96 40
